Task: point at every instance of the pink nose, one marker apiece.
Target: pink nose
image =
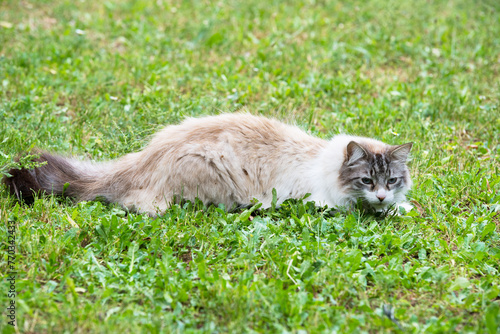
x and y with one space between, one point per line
381 197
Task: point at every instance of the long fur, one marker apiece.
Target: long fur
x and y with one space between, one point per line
229 159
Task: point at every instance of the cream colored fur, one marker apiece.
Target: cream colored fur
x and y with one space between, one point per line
230 159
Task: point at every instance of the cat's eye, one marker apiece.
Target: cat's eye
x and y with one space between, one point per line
392 180
366 180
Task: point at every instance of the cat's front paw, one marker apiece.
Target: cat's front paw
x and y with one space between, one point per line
405 205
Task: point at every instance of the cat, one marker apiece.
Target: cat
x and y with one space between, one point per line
230 159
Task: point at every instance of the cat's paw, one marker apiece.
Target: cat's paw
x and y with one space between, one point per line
406 207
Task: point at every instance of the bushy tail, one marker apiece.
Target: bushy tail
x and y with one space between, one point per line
58 175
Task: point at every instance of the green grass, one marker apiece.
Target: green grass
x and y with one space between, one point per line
96 79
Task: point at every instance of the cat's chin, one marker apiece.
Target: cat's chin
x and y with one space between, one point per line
394 208
381 207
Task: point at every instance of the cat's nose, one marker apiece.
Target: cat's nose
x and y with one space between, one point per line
380 195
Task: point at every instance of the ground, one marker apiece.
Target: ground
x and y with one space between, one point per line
95 79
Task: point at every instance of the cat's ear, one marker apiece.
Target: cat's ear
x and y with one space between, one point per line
355 152
400 152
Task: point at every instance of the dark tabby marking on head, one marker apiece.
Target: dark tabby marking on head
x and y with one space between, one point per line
378 179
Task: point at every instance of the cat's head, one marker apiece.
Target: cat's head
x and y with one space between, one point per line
377 176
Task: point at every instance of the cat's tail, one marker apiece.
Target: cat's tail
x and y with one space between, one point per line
59 175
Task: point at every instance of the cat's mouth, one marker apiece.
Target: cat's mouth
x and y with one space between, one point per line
374 206
381 206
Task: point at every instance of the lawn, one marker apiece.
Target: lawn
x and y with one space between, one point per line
97 79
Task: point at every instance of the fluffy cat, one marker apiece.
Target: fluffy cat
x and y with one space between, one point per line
230 159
